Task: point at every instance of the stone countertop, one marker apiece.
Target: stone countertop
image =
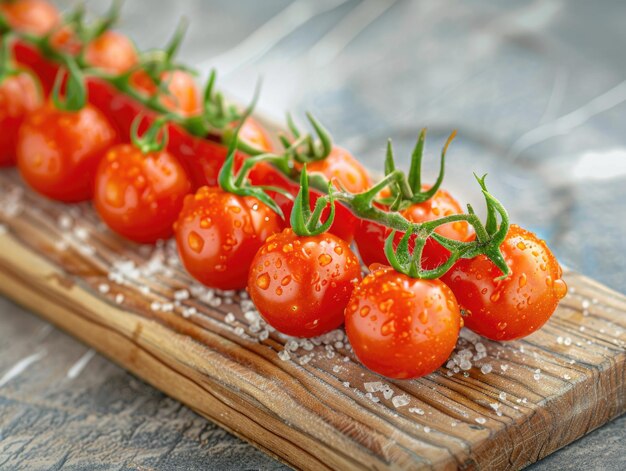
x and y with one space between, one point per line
537 92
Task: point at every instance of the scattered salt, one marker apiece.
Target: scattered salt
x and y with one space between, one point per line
229 318
374 386
181 295
486 369
502 396
284 355
104 288
416 410
119 298
481 420
427 429
400 401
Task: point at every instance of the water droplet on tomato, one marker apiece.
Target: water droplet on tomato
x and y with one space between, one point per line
385 306
324 259
495 296
286 280
287 248
279 291
549 281
195 241
423 316
388 327
364 311
263 281
338 250
560 288
521 245
205 222
501 325
522 280
234 209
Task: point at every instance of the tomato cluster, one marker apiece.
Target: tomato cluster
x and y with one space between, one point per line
76 138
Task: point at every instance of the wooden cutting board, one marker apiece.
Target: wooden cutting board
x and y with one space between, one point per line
311 404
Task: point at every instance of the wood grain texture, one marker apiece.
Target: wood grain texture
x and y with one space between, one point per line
312 411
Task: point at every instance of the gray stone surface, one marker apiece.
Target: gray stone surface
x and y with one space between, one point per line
536 90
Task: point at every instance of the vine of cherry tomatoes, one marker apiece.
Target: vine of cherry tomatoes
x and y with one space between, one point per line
84 115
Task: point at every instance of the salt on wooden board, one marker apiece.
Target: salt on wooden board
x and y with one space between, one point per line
309 402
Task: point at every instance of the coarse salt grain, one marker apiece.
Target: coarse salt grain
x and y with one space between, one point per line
374 386
284 355
119 298
400 401
104 288
181 295
229 318
481 420
486 369
416 410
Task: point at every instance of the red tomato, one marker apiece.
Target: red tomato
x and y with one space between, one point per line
30 16
184 96
19 94
518 305
301 285
111 52
253 133
140 195
218 234
402 327
58 151
370 237
65 40
343 168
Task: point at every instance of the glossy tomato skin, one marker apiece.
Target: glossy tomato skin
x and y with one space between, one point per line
402 327
58 151
36 17
253 133
301 285
19 95
520 304
111 52
184 96
138 195
371 236
219 233
340 166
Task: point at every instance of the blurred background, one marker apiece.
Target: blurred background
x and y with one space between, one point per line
536 89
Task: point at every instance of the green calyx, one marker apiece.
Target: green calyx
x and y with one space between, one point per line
303 221
237 182
75 97
489 237
408 192
154 139
7 66
303 147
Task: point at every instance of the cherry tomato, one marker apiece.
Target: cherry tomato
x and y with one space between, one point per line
184 96
370 237
402 327
518 305
218 234
253 133
58 151
301 285
140 195
64 39
30 16
343 168
111 52
19 94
